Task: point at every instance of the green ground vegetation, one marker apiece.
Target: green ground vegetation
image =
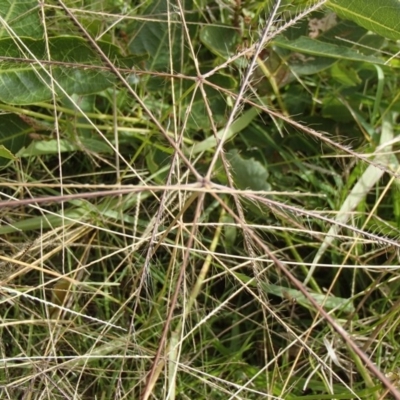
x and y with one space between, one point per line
199 199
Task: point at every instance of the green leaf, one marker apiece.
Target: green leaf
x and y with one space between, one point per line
344 74
21 18
5 153
333 108
27 83
95 146
306 66
318 48
216 102
13 135
379 16
45 147
158 163
241 123
48 147
70 216
248 173
343 33
328 302
229 230
161 40
221 40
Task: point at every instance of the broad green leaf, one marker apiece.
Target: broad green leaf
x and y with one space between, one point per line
158 38
13 134
51 221
47 147
343 33
241 123
21 18
229 231
345 74
310 67
221 40
79 105
248 173
27 83
379 16
328 302
158 163
5 153
95 145
333 108
318 48
198 116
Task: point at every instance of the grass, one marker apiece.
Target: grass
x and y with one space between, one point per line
198 213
